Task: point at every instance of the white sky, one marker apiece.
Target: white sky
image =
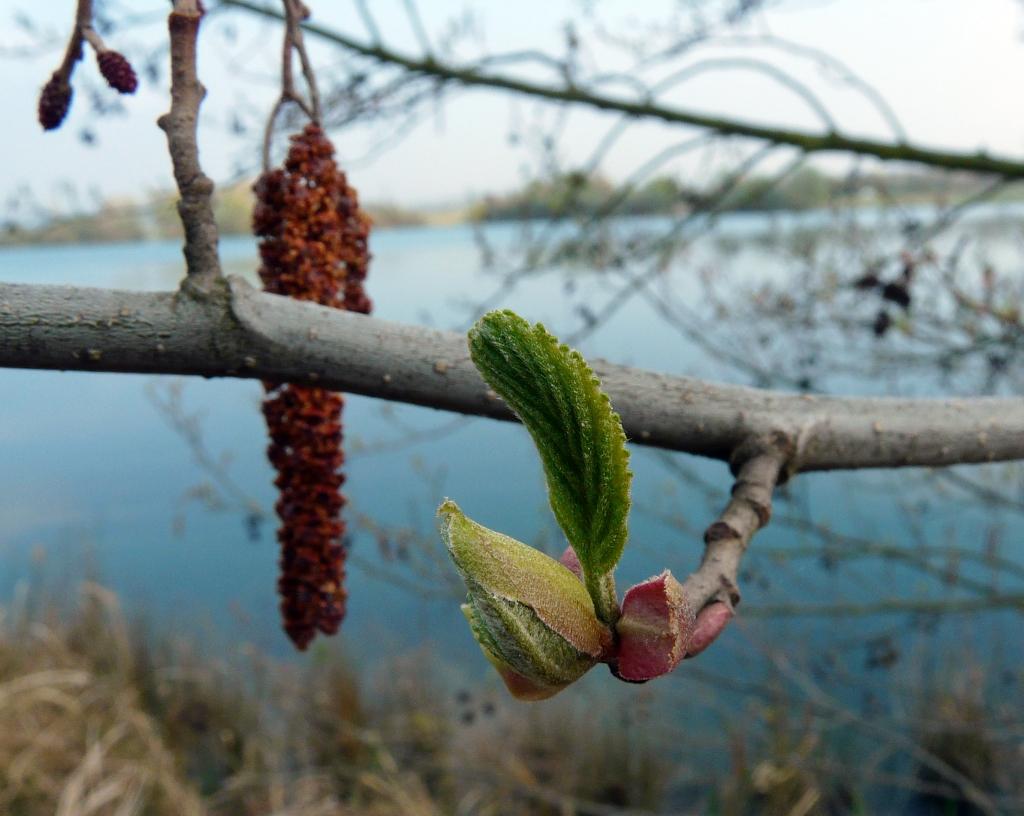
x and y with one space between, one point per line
951 69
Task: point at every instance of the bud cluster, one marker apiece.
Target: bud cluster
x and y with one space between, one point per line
537 625
313 247
55 97
544 623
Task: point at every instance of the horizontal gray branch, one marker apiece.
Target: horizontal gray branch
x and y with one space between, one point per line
236 331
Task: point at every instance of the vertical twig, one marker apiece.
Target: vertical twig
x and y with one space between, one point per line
418 27
73 53
195 205
368 21
759 466
294 13
55 97
83 20
300 13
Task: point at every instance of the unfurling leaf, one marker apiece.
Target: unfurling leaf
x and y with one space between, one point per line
531 616
579 437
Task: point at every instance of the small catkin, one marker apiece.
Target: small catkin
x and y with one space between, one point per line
54 102
313 247
117 71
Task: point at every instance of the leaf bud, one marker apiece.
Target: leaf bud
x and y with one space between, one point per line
533 618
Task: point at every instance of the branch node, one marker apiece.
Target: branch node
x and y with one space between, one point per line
719 531
729 593
777 444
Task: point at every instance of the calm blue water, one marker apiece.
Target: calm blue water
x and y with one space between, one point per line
93 479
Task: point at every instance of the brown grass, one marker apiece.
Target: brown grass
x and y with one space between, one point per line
98 719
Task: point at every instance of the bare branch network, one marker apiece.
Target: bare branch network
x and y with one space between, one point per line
220 327
646 107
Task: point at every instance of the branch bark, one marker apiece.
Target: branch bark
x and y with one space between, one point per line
726 540
980 162
73 53
232 330
760 464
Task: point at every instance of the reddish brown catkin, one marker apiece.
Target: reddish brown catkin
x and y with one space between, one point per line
313 247
117 71
55 97
54 102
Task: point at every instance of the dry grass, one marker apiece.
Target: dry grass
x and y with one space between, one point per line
983 743
75 736
100 720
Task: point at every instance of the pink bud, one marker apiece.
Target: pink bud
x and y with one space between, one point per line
655 629
570 561
710 622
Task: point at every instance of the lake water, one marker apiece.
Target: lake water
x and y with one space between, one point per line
94 480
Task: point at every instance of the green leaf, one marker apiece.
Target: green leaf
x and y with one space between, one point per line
579 437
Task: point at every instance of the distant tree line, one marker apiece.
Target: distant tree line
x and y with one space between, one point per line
575 194
567 195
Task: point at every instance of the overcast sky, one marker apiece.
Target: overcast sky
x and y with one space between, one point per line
952 70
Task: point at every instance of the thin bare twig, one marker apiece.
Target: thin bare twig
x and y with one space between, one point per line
195 206
417 26
644 108
748 510
368 21
81 31
300 13
73 53
759 464
294 13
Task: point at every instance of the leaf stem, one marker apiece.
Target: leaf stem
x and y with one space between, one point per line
602 591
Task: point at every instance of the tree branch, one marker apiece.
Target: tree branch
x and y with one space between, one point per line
195 207
760 464
980 162
73 52
232 330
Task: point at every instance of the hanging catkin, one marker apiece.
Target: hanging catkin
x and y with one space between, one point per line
313 247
